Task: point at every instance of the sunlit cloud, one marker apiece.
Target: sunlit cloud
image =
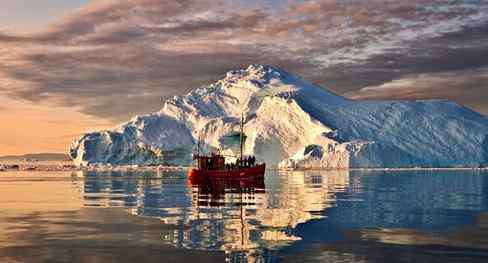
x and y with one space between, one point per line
114 59
465 87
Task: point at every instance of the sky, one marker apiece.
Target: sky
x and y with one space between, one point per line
72 66
29 16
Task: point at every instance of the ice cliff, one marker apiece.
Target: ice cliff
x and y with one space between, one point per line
294 124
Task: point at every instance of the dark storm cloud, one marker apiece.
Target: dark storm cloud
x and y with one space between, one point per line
118 58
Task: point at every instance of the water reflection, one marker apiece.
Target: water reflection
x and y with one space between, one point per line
290 211
236 217
426 201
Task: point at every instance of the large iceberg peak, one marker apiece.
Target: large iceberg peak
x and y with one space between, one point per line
294 124
257 75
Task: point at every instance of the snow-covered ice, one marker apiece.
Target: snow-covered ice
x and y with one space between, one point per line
291 123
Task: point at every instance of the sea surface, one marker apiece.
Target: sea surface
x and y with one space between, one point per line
315 216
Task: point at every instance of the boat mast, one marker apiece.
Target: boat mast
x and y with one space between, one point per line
242 134
198 143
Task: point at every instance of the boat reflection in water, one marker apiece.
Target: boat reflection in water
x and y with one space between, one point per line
293 213
247 219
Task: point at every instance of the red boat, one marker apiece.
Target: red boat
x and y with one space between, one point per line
214 165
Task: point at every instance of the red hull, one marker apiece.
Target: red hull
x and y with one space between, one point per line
237 174
216 186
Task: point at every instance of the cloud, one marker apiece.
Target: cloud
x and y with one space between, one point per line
465 87
113 59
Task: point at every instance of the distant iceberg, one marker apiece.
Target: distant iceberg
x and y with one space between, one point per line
291 123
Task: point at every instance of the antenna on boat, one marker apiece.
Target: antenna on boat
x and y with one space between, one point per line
199 142
242 134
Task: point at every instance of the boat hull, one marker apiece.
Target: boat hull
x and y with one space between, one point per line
217 186
237 174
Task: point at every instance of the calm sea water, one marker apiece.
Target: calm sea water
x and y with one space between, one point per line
328 216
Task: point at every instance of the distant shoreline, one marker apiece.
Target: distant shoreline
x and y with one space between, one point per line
59 166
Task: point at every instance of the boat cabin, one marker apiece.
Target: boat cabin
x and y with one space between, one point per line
217 162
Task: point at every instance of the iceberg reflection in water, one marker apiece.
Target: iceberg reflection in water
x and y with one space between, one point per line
291 211
221 215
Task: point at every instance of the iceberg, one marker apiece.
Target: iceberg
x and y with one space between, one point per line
293 124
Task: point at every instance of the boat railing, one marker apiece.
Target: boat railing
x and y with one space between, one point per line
217 162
